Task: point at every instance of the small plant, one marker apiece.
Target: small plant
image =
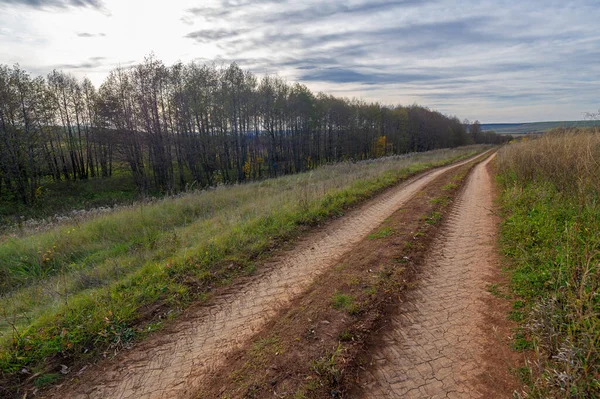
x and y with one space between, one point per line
326 367
523 374
345 302
341 301
521 343
516 315
371 291
434 218
450 186
345 336
45 379
497 291
442 201
385 232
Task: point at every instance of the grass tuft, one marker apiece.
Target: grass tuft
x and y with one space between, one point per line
385 232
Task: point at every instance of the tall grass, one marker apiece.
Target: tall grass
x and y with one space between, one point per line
552 233
83 287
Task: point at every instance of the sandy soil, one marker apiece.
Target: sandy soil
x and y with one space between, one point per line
173 363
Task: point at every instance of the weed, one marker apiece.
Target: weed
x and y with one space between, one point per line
271 345
518 304
45 379
516 315
523 374
326 367
450 186
345 336
385 232
494 289
309 386
521 343
433 218
442 201
341 301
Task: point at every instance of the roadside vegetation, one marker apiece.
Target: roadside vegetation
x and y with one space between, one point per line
551 197
83 289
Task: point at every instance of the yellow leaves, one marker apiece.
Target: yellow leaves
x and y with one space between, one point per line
247 169
380 146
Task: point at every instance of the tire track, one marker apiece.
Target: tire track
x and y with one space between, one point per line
173 365
434 345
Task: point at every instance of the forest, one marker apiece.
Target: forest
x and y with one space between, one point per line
195 125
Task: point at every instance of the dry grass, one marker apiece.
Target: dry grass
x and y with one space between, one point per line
569 159
552 232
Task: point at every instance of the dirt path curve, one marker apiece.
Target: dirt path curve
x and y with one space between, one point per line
434 344
172 363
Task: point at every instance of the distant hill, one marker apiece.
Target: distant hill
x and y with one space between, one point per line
534 127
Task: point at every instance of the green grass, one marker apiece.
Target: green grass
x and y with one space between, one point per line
76 290
327 368
442 200
46 379
341 301
345 336
385 232
551 233
521 343
450 186
434 218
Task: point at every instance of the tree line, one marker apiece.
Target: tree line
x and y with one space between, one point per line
197 124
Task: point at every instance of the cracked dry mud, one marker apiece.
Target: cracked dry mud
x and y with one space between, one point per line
173 363
434 344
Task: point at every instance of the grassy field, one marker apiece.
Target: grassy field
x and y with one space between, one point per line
79 289
535 127
551 193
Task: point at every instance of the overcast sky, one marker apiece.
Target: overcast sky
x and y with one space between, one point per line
496 61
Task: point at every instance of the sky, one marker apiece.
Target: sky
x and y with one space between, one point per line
494 61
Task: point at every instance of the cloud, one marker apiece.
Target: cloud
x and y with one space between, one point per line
91 63
326 10
342 75
206 35
87 34
225 8
43 4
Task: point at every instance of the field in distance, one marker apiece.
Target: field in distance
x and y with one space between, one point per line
535 127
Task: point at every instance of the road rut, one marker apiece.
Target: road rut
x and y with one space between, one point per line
434 345
173 365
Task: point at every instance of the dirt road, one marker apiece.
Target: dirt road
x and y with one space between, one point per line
172 363
434 345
